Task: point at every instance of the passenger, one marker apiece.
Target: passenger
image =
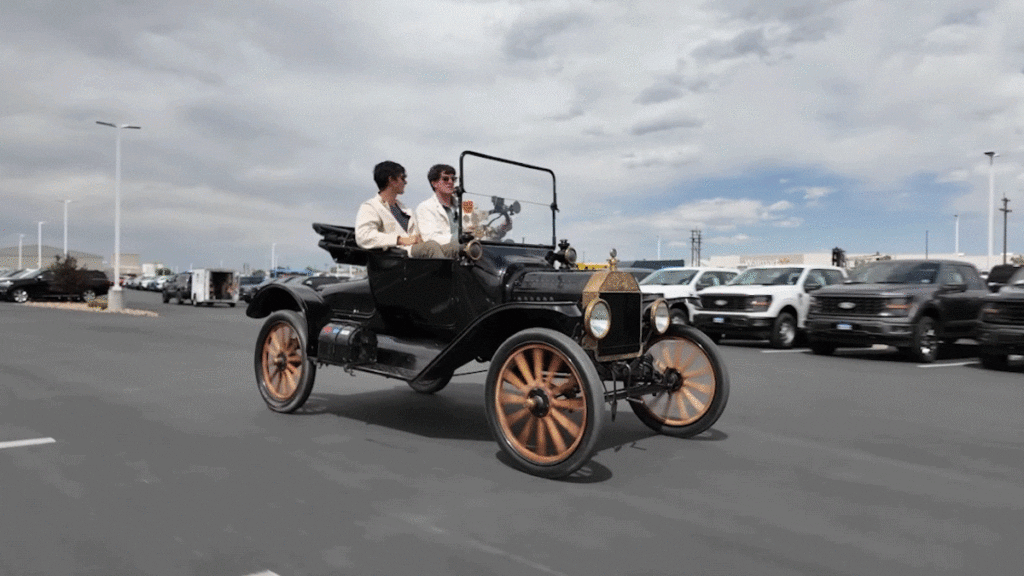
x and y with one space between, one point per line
383 222
437 216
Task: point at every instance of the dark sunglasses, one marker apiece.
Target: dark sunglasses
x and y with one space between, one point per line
449 178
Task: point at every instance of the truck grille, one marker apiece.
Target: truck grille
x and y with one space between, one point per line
850 305
626 324
716 303
1009 313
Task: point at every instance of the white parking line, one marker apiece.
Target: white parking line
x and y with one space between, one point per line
20 443
947 365
264 573
786 351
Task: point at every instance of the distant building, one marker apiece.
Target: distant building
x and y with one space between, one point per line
852 260
30 257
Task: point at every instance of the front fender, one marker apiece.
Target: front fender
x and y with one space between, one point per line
302 299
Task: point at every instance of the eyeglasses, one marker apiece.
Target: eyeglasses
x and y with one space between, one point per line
449 179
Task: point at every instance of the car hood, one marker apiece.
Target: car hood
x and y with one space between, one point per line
669 290
875 289
752 290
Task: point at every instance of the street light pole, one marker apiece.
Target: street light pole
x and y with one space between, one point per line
20 238
115 298
991 203
273 260
66 202
1005 212
956 235
39 246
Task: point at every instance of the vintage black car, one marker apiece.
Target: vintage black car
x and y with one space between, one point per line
915 305
561 342
1000 330
40 284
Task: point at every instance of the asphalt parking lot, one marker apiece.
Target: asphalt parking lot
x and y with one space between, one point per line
140 445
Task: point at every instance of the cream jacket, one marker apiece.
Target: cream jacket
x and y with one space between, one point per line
376 227
432 219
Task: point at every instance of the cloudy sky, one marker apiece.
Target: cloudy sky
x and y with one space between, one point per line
773 127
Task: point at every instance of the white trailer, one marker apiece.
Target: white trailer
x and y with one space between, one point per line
210 285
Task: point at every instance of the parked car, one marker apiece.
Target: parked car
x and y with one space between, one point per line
1000 327
679 285
765 302
914 305
561 342
178 287
247 286
1000 275
39 284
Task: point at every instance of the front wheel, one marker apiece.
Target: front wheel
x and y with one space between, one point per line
19 295
783 331
284 371
926 341
691 366
544 402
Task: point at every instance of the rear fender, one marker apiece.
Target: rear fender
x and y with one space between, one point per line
302 299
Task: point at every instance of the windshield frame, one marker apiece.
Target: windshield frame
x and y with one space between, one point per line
691 274
460 190
898 272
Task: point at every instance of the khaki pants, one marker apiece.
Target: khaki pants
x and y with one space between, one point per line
431 249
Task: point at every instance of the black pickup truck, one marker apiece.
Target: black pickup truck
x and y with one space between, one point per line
1001 323
915 305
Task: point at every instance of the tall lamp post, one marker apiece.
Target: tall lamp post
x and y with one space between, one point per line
991 203
956 235
1005 210
20 238
115 298
66 202
39 246
273 260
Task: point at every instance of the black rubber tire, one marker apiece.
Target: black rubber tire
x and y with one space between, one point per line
572 409
282 351
994 361
708 378
926 343
231 304
88 295
679 317
432 385
20 295
180 299
167 297
783 331
822 348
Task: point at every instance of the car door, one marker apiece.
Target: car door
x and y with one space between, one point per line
959 297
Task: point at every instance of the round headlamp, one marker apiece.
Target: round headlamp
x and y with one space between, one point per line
598 319
660 317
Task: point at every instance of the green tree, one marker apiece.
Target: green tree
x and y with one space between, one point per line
67 277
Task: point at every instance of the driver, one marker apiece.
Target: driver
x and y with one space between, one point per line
384 222
437 216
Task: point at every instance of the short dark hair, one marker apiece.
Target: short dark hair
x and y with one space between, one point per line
435 172
385 171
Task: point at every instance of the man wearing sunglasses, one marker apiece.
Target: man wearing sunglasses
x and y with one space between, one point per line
437 215
384 222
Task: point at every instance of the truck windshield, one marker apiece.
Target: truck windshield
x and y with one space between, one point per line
768 277
896 272
669 277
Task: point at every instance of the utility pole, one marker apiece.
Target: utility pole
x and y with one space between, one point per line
1005 212
694 247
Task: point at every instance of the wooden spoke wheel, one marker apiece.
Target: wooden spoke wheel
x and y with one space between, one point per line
284 372
691 367
545 402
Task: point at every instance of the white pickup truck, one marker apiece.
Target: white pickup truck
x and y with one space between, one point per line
679 286
766 302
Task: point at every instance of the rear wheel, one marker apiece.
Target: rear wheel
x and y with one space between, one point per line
691 365
783 331
284 371
431 385
167 297
544 402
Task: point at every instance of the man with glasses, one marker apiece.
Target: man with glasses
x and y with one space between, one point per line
384 222
437 215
